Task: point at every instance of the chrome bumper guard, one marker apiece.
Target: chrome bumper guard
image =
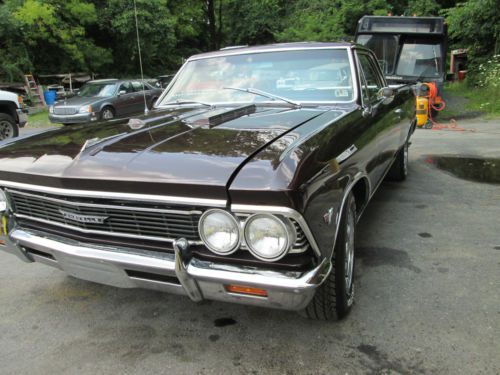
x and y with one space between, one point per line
177 273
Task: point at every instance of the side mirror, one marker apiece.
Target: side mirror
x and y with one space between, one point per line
386 94
121 92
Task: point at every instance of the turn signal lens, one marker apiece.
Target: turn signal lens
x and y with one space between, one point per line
248 290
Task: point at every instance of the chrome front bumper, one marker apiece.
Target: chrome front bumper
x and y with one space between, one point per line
198 279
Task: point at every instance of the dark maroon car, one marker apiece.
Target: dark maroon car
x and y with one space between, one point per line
244 184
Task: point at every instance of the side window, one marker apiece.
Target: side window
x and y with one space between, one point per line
372 82
138 86
127 87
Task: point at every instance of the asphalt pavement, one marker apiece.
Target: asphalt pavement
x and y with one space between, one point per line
427 294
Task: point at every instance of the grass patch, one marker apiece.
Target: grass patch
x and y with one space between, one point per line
40 120
478 99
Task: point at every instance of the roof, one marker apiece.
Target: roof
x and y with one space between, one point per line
271 47
104 80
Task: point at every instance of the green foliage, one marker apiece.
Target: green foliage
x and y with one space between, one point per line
475 25
57 36
326 20
423 8
253 22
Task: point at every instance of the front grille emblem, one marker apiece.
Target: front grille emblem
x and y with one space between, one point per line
83 218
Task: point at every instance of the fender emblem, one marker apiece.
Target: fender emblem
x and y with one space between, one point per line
327 217
83 218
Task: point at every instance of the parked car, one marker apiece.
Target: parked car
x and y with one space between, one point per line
243 185
104 100
12 115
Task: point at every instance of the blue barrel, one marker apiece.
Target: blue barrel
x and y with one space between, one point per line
50 97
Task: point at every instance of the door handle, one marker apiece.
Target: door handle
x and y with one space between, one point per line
399 111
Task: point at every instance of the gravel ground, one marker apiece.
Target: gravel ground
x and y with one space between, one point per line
428 281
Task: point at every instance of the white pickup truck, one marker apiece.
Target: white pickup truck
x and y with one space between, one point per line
12 115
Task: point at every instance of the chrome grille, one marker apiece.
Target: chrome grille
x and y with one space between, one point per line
125 219
64 110
162 223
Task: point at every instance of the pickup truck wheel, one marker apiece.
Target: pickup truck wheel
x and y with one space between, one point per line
399 169
8 127
334 298
107 113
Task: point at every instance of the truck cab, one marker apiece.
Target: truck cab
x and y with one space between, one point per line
12 115
409 49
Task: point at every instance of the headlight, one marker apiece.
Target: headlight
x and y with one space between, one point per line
220 231
51 109
268 238
3 201
86 109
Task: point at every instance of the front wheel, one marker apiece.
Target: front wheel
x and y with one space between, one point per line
8 127
335 297
107 113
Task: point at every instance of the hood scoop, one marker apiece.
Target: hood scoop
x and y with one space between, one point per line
220 116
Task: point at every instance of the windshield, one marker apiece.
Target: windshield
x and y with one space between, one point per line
301 76
420 59
385 48
97 89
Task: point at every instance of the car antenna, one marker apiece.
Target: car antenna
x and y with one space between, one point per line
146 110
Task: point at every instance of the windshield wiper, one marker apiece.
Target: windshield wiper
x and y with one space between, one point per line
187 102
264 94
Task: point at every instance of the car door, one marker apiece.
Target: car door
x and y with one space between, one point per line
138 88
126 102
383 119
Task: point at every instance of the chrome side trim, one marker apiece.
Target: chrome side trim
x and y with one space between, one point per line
285 211
113 234
125 208
115 195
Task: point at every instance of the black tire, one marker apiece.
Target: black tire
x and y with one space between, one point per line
334 298
399 168
8 127
107 113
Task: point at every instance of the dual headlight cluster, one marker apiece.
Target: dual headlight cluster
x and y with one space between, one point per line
267 237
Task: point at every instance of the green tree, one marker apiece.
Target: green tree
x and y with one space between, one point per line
475 25
54 33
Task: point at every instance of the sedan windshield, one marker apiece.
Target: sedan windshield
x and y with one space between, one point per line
312 76
97 89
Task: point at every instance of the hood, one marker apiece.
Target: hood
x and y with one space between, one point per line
177 152
7 95
78 101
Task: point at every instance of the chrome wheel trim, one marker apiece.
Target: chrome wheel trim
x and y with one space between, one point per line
6 130
405 159
107 114
349 252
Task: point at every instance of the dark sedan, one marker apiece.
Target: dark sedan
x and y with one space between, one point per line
243 185
104 100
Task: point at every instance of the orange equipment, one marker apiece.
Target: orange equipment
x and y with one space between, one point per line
427 99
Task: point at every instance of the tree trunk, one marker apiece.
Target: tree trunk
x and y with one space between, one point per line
212 31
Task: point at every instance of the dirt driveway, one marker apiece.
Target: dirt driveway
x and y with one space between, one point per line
428 282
